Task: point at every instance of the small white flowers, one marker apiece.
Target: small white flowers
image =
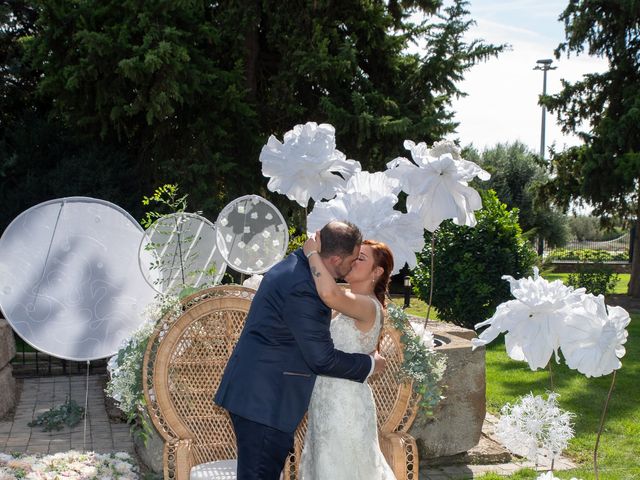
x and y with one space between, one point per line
71 465
550 476
125 372
533 424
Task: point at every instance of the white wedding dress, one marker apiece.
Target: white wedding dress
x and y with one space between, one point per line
342 435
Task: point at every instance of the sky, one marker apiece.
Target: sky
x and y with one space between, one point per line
502 101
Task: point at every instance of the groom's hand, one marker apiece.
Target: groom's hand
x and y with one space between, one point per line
380 363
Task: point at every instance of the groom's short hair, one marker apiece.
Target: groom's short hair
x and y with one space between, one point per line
339 238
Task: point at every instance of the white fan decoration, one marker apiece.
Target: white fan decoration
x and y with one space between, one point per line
306 164
251 234
368 202
70 285
437 183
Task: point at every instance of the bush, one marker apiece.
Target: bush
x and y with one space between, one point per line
469 264
588 255
596 277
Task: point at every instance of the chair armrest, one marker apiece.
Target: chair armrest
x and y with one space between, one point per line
401 453
178 459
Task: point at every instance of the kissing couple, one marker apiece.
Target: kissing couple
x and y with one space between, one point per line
292 356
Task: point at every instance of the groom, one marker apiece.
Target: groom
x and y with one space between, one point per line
285 343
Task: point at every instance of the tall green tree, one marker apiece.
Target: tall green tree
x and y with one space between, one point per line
190 90
515 174
605 170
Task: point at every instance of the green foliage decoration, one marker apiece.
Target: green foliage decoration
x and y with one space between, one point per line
68 414
470 263
424 366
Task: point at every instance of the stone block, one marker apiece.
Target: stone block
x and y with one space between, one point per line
7 343
457 423
8 390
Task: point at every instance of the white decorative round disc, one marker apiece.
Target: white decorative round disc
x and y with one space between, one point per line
179 251
70 285
251 234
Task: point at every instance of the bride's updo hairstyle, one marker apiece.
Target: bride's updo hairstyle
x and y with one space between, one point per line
382 257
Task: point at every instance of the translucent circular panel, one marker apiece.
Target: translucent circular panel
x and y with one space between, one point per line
251 234
70 285
179 251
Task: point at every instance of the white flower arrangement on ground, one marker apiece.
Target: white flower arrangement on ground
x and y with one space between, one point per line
125 383
533 424
550 476
71 465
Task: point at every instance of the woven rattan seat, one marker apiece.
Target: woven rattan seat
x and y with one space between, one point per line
182 368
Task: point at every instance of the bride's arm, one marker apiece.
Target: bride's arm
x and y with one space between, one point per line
358 307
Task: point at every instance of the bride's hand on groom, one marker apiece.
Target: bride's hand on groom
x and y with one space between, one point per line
380 362
312 244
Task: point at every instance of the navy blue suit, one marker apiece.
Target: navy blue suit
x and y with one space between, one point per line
285 343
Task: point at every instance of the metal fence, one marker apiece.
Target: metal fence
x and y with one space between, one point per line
619 250
29 362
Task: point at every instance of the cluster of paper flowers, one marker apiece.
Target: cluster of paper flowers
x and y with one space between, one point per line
534 424
306 165
546 317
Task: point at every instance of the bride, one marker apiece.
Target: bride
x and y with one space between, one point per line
342 436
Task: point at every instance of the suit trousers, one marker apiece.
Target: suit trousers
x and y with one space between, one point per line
262 450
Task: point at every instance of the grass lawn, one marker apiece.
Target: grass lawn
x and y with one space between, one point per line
619 450
622 286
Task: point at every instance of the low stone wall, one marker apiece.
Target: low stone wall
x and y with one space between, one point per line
8 387
457 423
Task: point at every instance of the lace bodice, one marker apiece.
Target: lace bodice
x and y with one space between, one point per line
349 339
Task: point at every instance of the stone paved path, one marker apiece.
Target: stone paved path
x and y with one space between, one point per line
41 394
102 435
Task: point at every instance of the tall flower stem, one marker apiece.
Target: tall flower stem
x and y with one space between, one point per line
604 413
431 276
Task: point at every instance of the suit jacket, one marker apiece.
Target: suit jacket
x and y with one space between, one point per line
285 343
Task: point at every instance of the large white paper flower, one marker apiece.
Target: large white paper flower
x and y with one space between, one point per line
592 339
533 424
368 201
532 321
306 165
437 183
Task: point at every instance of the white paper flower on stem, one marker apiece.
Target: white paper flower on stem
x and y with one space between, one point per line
437 183
532 321
368 201
533 424
306 165
592 340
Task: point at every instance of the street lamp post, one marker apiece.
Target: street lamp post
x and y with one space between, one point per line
544 65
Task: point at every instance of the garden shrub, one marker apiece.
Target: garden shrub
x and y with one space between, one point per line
470 263
588 255
595 276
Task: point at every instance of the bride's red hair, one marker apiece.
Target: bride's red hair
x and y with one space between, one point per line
382 257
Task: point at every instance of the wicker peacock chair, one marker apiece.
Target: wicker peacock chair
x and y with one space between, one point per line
182 368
